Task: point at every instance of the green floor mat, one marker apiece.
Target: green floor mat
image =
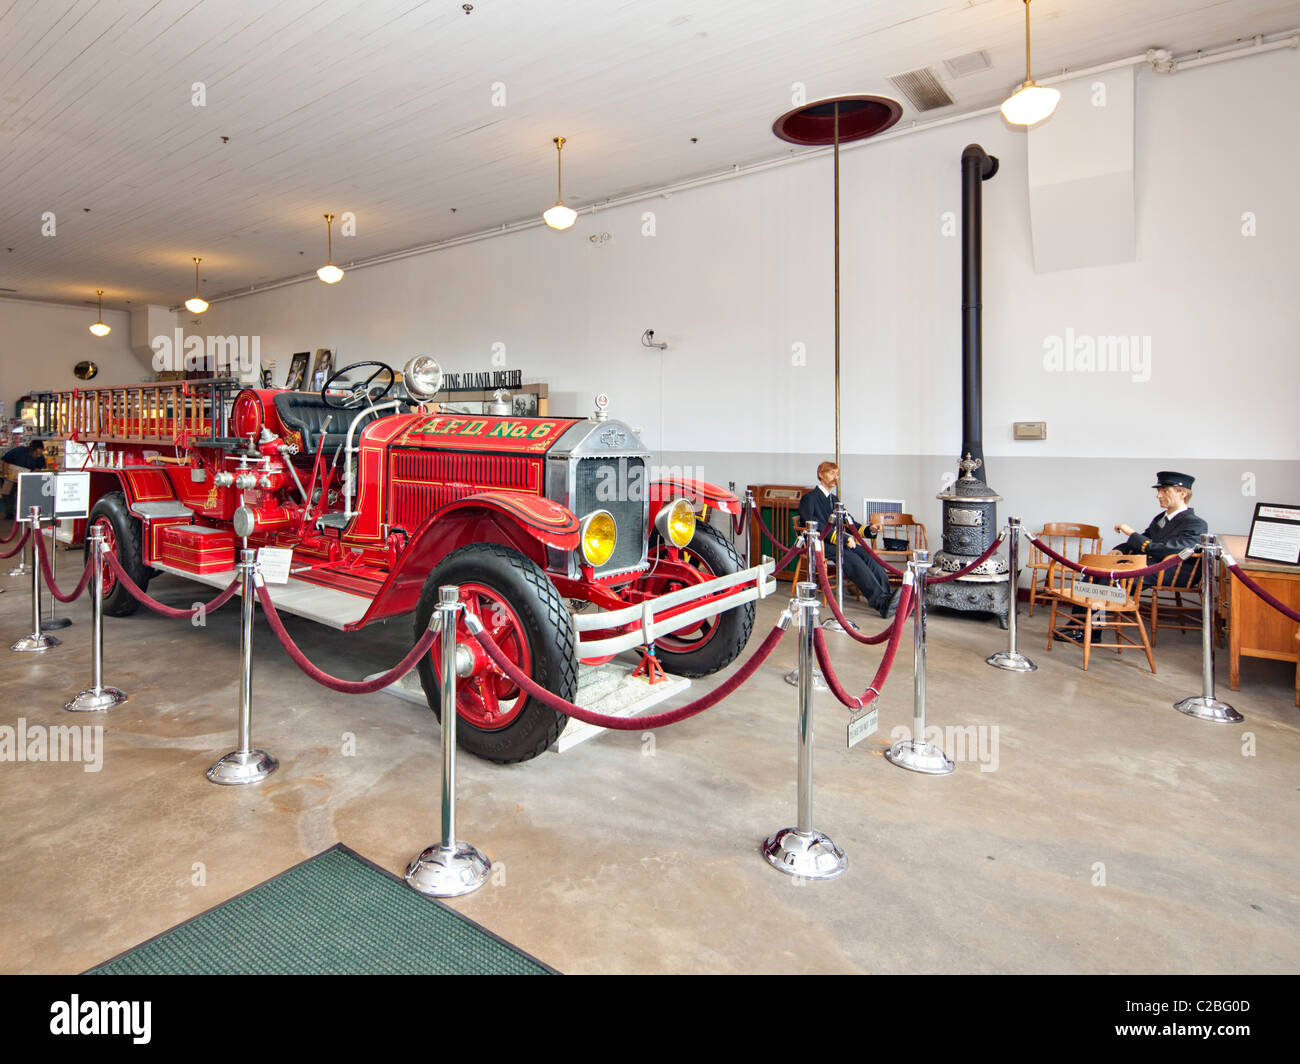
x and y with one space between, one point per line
334 914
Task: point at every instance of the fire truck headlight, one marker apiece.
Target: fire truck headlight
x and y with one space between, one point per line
675 523
423 377
599 535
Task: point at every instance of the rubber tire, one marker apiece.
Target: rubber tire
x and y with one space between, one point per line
128 533
552 645
733 626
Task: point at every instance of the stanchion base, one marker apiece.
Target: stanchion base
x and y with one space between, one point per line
806 854
242 766
441 872
833 625
20 570
819 681
1209 709
37 642
92 701
1017 662
920 757
53 624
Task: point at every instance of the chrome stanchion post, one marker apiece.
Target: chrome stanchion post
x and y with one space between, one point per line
731 526
802 850
1011 659
25 554
245 765
96 697
832 624
38 640
814 545
1205 705
53 623
749 511
452 867
916 753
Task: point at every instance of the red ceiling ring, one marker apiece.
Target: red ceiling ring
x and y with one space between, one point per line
860 117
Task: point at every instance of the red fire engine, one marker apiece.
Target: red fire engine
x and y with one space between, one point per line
550 526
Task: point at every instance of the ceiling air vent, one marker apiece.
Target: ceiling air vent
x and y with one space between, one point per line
922 89
971 63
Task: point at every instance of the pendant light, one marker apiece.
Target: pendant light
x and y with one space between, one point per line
99 328
198 304
1030 103
559 216
329 273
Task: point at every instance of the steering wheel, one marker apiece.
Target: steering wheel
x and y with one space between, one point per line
352 395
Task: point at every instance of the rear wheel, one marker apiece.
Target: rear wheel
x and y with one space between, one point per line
527 618
122 536
714 643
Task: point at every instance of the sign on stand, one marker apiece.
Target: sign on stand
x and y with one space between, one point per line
273 563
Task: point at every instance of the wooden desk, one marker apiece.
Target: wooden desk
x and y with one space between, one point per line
1255 629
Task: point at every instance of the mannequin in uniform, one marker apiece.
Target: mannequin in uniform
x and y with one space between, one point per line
859 567
1176 529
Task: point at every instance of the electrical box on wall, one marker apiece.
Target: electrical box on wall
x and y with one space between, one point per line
1029 430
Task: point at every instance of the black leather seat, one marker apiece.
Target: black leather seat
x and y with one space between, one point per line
321 427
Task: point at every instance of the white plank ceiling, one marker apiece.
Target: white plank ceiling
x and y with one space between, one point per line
385 108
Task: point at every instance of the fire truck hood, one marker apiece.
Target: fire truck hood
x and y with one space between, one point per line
556 436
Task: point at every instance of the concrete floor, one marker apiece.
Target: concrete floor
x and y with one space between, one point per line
627 856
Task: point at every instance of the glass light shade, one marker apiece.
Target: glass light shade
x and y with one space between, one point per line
560 216
330 274
100 329
195 305
1030 104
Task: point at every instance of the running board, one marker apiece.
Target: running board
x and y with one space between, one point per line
335 609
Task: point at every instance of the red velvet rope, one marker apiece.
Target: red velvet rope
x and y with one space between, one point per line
966 568
12 532
1273 601
653 720
823 578
867 547
348 687
1105 574
882 672
21 543
758 513
152 603
48 573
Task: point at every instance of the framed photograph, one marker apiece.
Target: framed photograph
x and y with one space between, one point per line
525 404
321 369
297 370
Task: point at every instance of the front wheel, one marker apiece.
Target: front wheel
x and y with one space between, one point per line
526 616
714 643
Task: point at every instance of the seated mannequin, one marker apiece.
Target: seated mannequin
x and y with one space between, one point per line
859 567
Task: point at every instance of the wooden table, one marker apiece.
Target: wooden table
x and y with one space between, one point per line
1255 629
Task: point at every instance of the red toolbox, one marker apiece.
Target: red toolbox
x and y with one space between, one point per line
197 548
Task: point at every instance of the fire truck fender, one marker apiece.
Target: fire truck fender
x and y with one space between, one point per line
136 485
699 493
527 523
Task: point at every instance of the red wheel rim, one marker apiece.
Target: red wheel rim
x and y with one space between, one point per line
105 526
687 639
487 699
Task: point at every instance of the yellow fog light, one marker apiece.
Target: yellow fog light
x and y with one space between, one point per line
599 535
676 523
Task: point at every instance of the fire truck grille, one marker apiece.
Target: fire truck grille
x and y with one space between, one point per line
617 485
423 481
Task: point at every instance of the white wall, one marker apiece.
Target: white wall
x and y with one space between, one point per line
41 342
739 271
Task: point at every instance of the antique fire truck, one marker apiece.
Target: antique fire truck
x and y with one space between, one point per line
549 526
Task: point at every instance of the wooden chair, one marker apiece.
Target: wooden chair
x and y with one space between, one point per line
801 564
1067 538
1165 598
900 527
1116 616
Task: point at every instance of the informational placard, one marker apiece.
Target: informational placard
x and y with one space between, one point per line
273 563
862 725
1275 534
1103 592
35 489
71 494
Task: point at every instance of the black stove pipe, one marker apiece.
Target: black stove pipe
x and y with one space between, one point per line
976 166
